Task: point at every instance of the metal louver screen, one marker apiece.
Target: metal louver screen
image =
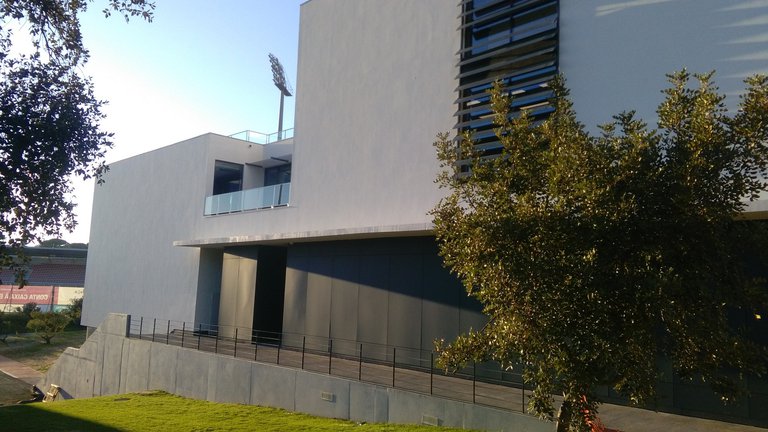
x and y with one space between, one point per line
512 41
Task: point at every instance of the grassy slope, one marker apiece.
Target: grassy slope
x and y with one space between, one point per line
151 411
148 411
30 350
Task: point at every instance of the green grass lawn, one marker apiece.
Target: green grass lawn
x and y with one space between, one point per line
159 411
30 350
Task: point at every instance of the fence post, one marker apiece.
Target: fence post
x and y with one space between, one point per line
183 330
431 369
141 325
330 355
235 352
199 334
279 345
522 390
168 332
154 324
394 356
216 344
360 364
256 345
303 345
474 379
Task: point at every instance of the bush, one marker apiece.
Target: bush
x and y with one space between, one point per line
13 323
27 309
48 324
74 311
3 327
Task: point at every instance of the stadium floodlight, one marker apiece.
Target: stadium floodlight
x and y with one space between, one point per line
278 76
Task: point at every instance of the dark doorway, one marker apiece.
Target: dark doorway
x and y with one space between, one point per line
270 294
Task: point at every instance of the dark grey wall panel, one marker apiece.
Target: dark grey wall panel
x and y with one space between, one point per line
208 286
228 301
377 291
270 290
318 321
295 302
246 294
440 306
344 308
373 299
404 316
470 313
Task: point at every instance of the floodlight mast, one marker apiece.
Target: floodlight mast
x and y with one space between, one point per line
278 77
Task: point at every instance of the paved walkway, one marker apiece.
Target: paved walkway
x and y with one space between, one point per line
628 419
19 371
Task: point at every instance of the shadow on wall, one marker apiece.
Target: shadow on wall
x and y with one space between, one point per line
650 38
407 266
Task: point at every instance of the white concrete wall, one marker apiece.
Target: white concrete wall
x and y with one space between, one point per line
146 203
615 53
375 85
376 82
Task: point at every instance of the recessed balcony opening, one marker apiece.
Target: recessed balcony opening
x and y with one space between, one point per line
231 198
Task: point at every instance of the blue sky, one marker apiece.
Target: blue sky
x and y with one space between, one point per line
200 66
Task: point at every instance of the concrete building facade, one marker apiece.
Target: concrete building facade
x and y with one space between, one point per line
327 233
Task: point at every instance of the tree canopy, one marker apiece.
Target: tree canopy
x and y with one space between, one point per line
49 116
594 256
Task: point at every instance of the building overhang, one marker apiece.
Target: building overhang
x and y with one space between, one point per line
408 230
273 161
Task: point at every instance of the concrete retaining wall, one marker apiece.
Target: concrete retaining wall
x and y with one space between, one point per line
110 363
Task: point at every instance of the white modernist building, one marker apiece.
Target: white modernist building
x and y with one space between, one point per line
326 232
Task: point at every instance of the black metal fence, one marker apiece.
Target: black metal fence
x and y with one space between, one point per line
398 367
415 370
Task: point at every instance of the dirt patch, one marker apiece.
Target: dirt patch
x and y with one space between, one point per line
29 349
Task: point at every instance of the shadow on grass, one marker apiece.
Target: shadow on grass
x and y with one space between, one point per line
30 417
13 390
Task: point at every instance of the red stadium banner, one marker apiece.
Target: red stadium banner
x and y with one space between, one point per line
42 295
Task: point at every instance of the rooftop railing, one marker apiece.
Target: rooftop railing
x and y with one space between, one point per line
262 138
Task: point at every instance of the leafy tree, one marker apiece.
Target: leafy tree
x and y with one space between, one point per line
54 243
49 117
48 324
75 310
594 256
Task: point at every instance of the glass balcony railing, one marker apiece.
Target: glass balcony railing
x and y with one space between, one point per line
262 138
250 199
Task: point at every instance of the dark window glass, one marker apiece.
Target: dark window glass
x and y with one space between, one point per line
227 177
277 175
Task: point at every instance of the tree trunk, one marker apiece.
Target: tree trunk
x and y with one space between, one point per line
564 416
